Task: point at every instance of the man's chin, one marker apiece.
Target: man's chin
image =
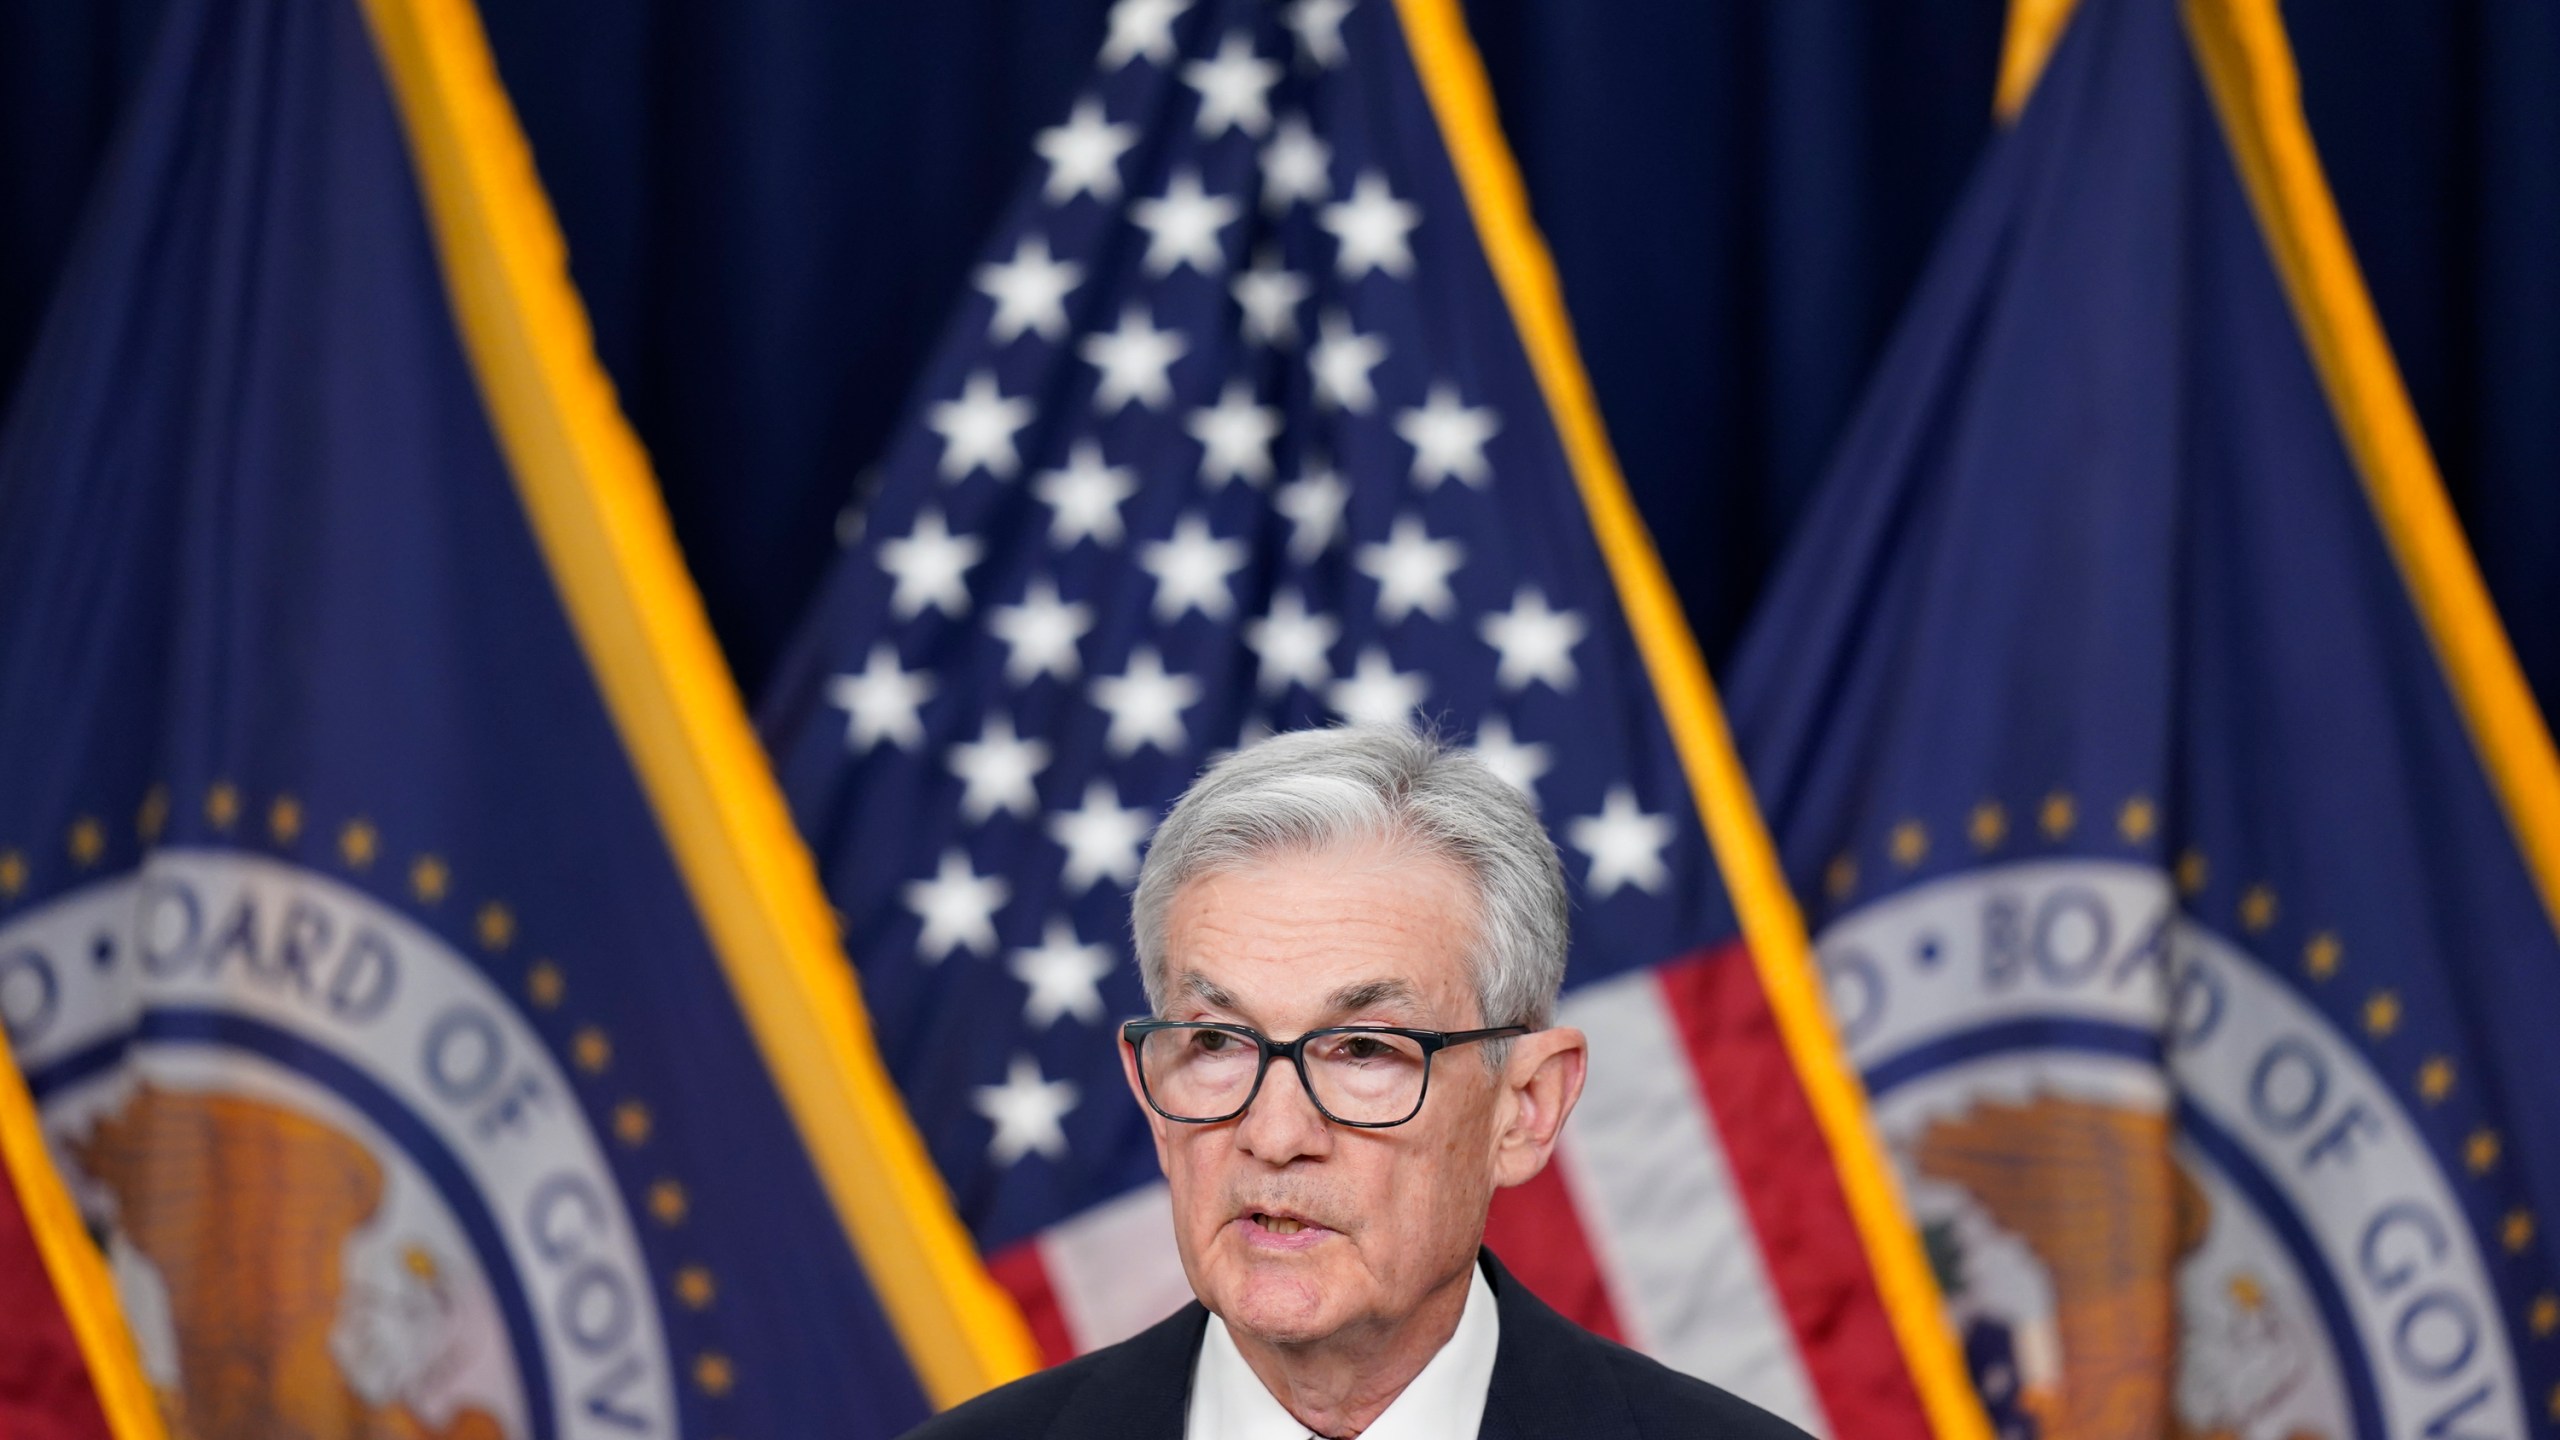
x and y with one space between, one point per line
1279 1316
1282 1297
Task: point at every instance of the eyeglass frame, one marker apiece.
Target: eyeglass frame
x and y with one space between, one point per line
1134 1032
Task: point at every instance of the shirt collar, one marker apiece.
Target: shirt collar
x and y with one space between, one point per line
1444 1402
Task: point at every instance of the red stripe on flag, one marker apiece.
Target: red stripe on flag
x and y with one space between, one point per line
44 1379
1541 1240
1808 1242
1019 1269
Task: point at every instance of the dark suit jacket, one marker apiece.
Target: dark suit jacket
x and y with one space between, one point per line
1551 1377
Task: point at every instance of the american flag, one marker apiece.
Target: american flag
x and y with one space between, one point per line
1238 434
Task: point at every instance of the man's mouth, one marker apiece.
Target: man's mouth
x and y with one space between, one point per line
1279 1228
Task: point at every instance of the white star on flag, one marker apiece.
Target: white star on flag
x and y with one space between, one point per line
1369 229
996 772
1234 88
1269 294
1235 436
1341 361
1297 166
1084 154
929 563
1063 975
1040 634
1141 27
1191 570
958 907
1145 705
1313 505
1519 764
977 429
1030 292
1293 645
1448 438
881 702
1182 226
1624 843
1318 26
1101 838
1028 1113
1412 571
1536 643
1084 497
1376 693
1133 360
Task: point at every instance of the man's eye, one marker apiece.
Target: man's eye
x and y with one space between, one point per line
1212 1041
1362 1047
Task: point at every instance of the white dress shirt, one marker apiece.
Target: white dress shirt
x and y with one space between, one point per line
1444 1402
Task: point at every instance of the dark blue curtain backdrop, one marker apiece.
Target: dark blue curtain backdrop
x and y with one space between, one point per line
771 206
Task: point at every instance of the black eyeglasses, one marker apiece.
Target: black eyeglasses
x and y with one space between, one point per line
1371 1076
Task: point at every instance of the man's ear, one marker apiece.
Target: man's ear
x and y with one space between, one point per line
1129 1071
1542 1081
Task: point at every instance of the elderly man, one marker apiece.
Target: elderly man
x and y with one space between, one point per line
1352 940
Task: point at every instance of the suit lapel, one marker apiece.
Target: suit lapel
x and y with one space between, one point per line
1141 1390
1549 1377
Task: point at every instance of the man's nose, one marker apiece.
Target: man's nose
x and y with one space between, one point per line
1283 1123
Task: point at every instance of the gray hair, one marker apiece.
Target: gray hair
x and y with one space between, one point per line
1312 790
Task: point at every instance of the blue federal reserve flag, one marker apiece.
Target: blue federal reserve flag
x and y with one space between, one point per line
2179 834
425 997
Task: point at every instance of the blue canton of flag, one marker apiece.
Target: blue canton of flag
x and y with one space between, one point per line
2181 830
1238 434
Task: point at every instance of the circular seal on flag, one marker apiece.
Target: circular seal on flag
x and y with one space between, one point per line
344 1186
2163 1193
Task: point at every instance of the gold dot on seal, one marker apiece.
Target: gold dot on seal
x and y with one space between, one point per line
2435 1079
222 805
358 843
667 1202
544 986
2516 1231
429 878
2257 909
1987 826
712 1373
1840 877
590 1050
87 841
2058 815
2138 820
2381 1013
2553 1405
2482 1150
632 1123
1909 843
13 873
496 926
694 1287
2320 955
284 820
2191 873
2247 1292
2545 1317
152 816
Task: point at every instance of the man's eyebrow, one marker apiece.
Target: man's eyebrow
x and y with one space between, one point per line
1372 995
1206 991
